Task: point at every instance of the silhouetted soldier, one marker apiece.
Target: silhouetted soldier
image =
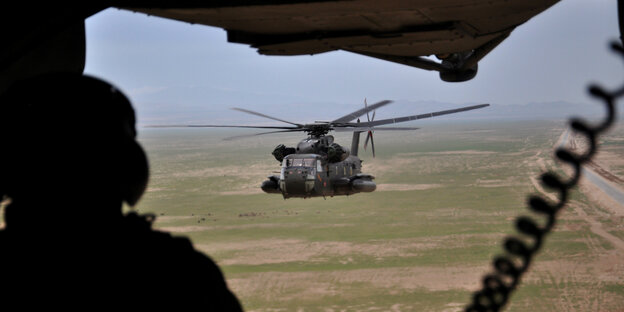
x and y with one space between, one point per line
68 161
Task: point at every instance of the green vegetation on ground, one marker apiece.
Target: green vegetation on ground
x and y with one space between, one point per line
447 196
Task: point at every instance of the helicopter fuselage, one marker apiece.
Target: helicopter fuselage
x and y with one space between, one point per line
320 167
311 175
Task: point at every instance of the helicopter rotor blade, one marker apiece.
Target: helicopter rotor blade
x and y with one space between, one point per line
255 134
368 135
218 126
372 143
415 117
360 112
366 106
265 116
365 129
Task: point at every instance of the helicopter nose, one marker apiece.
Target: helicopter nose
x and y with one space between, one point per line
298 181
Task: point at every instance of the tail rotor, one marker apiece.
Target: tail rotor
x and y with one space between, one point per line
369 135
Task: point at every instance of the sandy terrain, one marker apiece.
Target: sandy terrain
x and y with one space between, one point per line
430 278
268 251
405 187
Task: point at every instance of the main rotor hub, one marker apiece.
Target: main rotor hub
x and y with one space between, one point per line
318 130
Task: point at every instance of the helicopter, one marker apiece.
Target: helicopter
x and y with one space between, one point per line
320 167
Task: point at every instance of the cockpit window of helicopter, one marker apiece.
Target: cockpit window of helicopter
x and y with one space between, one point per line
301 162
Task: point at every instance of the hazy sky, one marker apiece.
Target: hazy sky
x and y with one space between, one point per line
176 71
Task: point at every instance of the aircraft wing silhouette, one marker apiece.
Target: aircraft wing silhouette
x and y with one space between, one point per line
458 32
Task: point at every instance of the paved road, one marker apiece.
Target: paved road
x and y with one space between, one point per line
614 191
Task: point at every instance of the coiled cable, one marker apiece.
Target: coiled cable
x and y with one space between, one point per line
521 249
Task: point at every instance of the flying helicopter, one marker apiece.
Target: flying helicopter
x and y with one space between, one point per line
318 166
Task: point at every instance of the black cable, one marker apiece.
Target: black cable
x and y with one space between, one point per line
509 268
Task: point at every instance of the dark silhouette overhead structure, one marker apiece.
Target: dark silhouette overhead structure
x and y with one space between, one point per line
459 33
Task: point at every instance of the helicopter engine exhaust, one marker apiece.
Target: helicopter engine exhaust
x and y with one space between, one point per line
282 151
